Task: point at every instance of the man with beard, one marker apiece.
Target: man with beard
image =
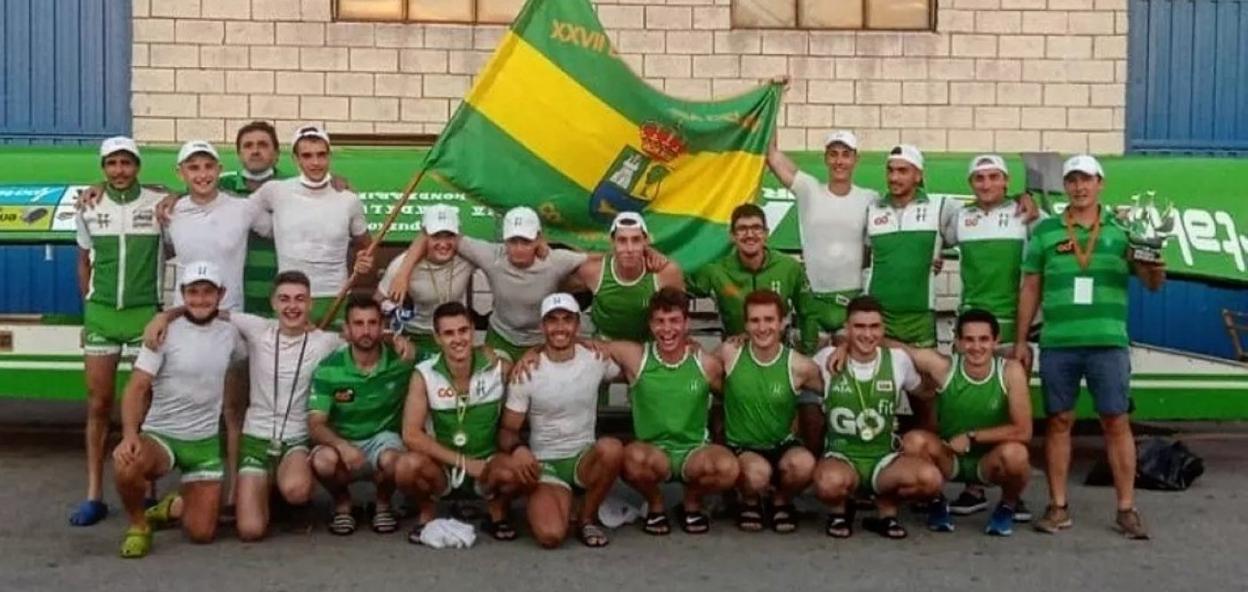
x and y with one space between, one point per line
761 384
354 416
450 425
861 402
175 427
559 400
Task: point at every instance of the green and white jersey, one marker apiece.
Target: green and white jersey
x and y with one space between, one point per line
126 252
670 401
619 305
465 422
965 404
760 399
360 405
1082 308
861 402
904 242
189 377
991 243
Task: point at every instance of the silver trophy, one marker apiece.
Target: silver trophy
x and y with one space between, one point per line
1148 227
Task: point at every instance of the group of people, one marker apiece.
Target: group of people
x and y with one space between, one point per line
854 404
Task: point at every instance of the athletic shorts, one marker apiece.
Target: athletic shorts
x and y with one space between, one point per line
196 460
676 459
915 328
256 460
504 348
1106 369
470 488
771 455
107 331
825 312
564 472
966 468
372 448
868 469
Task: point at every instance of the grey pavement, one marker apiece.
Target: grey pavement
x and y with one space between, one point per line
1198 543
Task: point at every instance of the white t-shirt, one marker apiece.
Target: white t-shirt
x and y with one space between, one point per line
189 371
905 377
216 231
312 230
832 229
431 285
267 413
518 293
561 400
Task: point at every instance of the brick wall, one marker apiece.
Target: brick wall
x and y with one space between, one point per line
1006 75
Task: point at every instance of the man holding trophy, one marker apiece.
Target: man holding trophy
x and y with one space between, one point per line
1078 265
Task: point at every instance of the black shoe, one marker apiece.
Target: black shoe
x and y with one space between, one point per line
1021 512
969 503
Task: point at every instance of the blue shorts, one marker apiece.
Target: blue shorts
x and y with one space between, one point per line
1107 370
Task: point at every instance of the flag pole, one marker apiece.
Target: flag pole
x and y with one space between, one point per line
372 248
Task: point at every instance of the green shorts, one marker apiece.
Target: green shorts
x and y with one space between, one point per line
917 329
320 306
255 458
676 459
564 472
868 469
107 331
966 469
823 312
196 460
504 347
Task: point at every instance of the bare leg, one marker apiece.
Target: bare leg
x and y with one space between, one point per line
1008 465
202 501
1057 455
598 472
1120 447
710 469
234 409
253 506
548 510
132 478
797 468
645 467
101 378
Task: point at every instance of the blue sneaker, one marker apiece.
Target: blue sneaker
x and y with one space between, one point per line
1001 523
939 519
88 513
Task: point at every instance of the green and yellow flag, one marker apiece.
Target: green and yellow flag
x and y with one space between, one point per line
557 122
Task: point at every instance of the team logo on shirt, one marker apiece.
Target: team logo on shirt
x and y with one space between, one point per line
143 219
970 221
884 385
635 178
344 395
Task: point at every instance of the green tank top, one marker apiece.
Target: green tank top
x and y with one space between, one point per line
861 413
670 402
620 307
965 404
760 400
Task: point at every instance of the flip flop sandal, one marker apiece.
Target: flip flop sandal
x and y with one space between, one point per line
750 517
694 522
384 521
342 524
784 518
136 543
887 526
160 515
657 524
501 530
592 535
413 535
840 526
88 513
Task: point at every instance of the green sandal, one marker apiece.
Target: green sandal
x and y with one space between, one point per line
136 543
161 515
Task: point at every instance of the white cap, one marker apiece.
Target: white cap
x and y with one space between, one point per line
629 220
119 144
845 137
521 222
440 218
1083 163
194 147
907 153
200 271
560 301
309 131
987 162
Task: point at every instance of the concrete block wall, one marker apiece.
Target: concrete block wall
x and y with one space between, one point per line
1005 75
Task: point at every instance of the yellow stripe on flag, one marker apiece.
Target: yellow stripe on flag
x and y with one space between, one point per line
548 112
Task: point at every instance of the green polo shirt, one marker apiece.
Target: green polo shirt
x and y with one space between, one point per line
728 281
360 405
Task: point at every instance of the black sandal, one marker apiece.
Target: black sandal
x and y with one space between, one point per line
840 525
385 521
342 523
501 530
657 524
694 522
750 517
592 535
886 526
784 518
